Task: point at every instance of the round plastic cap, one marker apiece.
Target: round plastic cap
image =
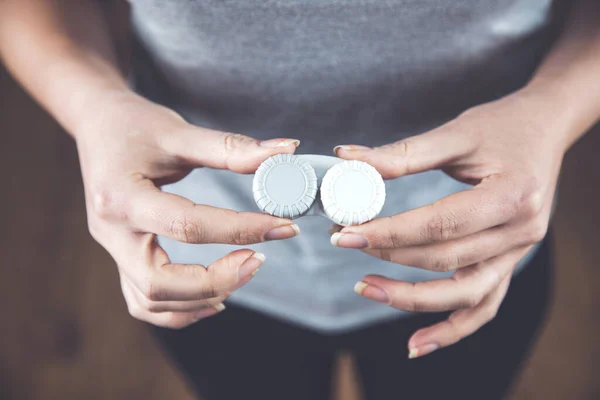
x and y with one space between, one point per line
285 186
352 193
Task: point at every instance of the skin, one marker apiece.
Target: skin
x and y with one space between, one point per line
128 147
510 149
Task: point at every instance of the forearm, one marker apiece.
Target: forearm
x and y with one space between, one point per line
570 75
62 53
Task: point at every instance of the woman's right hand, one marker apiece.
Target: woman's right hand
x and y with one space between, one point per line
128 149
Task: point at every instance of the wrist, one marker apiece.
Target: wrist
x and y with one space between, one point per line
98 106
88 103
551 110
575 105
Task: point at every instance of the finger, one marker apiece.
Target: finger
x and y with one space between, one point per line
459 325
220 279
173 320
165 214
464 290
148 267
492 203
171 306
235 152
415 154
454 254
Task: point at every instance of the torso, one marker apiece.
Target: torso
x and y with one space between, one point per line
329 72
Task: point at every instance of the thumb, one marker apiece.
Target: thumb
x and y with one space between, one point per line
412 155
223 150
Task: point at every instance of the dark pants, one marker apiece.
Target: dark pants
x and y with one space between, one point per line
240 354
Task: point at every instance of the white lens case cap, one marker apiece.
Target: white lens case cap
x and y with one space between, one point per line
352 192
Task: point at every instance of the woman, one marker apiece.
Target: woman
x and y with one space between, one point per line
439 94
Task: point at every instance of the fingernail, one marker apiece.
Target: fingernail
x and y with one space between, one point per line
251 265
280 143
349 147
219 307
283 232
371 292
349 240
422 351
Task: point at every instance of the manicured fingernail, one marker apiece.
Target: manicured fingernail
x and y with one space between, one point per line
371 292
283 232
280 143
349 240
251 265
349 147
422 351
219 307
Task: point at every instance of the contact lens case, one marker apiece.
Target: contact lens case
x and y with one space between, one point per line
348 192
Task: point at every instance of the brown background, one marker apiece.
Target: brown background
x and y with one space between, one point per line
64 330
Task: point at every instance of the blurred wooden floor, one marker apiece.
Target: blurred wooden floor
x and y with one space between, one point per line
64 330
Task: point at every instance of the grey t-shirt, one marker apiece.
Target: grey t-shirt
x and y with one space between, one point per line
328 72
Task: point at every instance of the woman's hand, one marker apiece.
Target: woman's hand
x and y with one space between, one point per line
511 150
129 148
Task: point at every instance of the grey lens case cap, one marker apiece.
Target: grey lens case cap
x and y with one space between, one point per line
351 192
285 186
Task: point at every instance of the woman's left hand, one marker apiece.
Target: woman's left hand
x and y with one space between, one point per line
511 150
